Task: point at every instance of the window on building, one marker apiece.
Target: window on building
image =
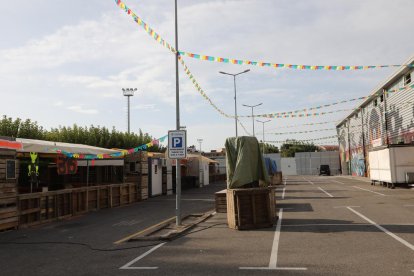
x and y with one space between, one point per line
11 169
407 79
132 167
375 103
381 98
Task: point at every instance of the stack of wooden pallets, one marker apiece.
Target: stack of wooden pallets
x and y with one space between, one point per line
136 171
8 190
251 208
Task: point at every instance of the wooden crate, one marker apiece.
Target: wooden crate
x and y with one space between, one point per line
250 208
221 201
276 179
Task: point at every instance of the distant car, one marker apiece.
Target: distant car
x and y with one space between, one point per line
324 170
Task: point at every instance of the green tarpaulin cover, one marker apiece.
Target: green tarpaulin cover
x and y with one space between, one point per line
245 163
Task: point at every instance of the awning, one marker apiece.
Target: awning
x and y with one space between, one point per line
41 146
203 158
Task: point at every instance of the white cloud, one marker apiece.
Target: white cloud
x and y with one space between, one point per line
80 109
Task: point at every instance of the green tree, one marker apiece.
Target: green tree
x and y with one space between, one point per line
290 147
94 135
268 148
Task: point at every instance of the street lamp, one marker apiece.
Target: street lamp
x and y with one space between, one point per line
235 94
128 92
200 141
252 106
263 122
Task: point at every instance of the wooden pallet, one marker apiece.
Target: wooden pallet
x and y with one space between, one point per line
9 217
250 208
221 201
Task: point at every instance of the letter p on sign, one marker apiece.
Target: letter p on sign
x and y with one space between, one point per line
177 142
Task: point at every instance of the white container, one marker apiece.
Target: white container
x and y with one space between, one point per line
391 165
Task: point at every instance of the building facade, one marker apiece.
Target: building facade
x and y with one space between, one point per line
384 119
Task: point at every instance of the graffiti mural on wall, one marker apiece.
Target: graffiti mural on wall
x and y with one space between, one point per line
357 162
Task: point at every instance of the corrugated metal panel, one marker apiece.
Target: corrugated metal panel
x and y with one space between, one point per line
400 114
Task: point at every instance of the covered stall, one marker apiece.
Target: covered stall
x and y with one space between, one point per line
43 168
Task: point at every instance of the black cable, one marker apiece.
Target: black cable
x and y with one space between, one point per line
113 249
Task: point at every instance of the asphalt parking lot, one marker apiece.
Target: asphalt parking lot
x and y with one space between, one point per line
326 226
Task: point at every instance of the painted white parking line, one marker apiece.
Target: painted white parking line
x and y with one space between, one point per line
283 195
325 192
342 183
308 181
128 265
368 190
270 268
404 242
275 249
193 199
275 246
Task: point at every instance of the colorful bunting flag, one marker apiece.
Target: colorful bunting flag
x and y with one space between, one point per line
291 66
112 155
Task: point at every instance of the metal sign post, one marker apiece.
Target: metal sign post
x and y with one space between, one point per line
177 118
177 149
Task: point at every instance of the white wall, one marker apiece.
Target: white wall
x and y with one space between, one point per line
288 165
308 163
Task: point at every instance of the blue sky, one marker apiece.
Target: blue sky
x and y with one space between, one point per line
65 62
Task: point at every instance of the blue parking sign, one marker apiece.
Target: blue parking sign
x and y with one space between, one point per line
177 145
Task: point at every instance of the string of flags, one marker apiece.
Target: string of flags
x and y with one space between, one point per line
167 45
145 26
288 114
118 154
244 128
305 140
300 115
307 124
276 114
296 132
290 66
200 90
